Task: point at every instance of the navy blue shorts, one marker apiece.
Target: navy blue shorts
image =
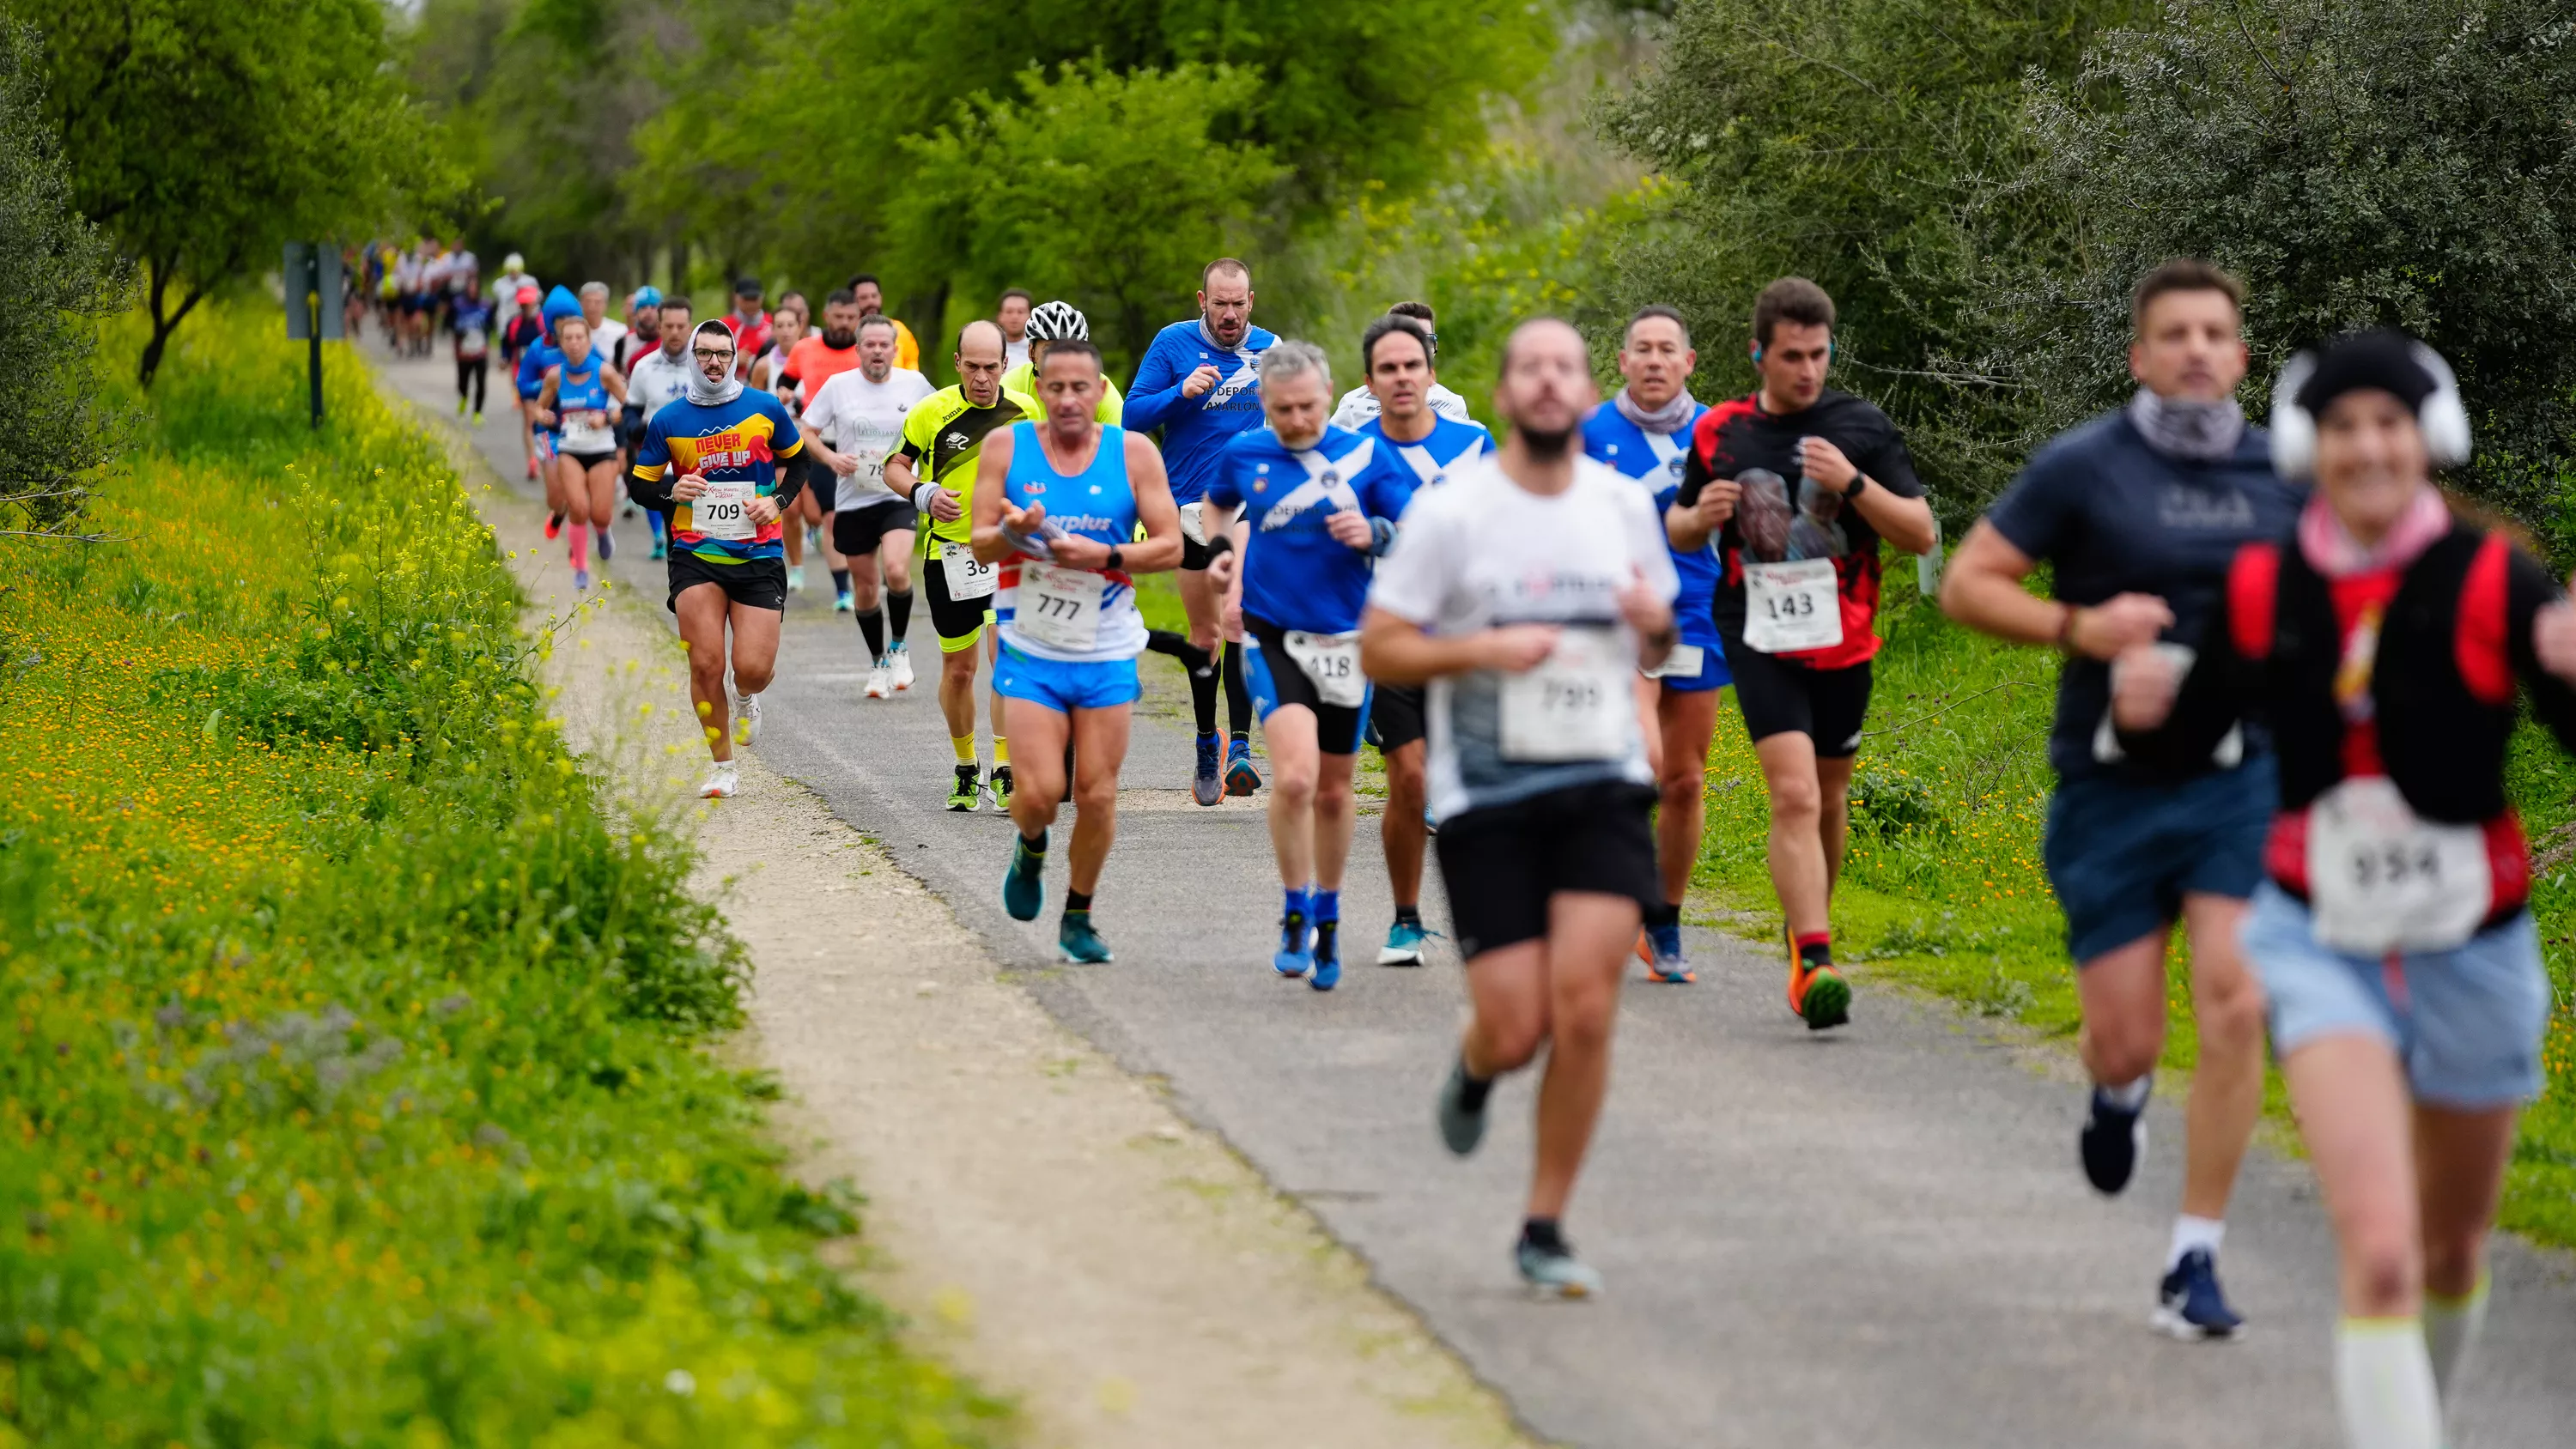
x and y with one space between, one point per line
2122 854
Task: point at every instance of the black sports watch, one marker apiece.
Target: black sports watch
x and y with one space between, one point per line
1859 481
1114 560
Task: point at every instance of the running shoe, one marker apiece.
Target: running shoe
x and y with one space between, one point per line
581 581
661 550
1662 948
1077 943
746 720
723 782
899 662
1024 883
629 511
607 545
1461 1126
2190 1306
1328 965
880 681
1555 1272
796 578
460 407
1240 777
1000 788
964 791
2112 1140
532 473
1403 944
1819 995
1207 786
478 417
841 603
1295 958
554 521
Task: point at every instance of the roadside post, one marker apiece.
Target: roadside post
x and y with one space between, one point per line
314 309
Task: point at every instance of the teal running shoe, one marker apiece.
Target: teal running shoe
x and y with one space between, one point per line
1554 1271
1240 776
1077 943
1462 1126
1024 884
1403 944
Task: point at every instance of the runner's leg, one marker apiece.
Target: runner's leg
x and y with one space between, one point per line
1800 873
755 647
2460 1159
1100 747
1833 815
1686 721
703 610
1044 731
1588 935
2227 1080
1401 831
1294 766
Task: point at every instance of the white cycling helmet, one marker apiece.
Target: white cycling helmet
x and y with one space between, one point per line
1058 322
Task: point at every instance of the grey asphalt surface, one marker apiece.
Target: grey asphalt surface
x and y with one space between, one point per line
1877 1237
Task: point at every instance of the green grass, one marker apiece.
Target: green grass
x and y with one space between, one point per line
357 1085
1943 889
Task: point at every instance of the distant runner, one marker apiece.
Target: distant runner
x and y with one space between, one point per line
853 424
1360 404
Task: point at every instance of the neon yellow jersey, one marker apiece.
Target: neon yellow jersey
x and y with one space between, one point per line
943 437
1024 379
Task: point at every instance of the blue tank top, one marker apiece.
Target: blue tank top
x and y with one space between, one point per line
578 395
1070 614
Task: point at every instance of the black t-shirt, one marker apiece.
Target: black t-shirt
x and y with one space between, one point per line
2111 516
1783 516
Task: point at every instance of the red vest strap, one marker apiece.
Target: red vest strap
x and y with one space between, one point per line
2486 666
2253 598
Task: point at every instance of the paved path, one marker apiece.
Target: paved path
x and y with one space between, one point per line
1873 1238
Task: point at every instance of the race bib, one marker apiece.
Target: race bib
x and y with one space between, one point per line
1790 606
586 431
469 343
1059 607
2380 879
1576 705
1332 663
723 511
967 579
1683 663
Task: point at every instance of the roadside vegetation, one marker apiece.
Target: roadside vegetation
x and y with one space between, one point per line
357 1085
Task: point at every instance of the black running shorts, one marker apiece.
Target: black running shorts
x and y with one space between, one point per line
589 461
760 582
856 532
1275 682
1780 696
1501 865
959 622
1395 716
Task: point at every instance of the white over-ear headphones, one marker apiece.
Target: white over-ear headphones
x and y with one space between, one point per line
2444 417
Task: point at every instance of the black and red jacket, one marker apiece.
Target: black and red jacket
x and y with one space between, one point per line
2454 637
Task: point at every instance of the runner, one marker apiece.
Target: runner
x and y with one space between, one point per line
2137 514
748 324
1397 353
1643 432
526 329
736 453
643 329
1360 404
580 398
1525 593
514 279
1067 615
769 374
871 298
464 283
1315 504
470 327
659 377
1013 316
540 356
1199 383
410 297
934 468
2382 638
1798 483
606 332
1055 322
854 422
813 362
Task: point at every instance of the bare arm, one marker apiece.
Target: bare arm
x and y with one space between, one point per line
1905 522
992 512
1395 650
1983 590
1155 509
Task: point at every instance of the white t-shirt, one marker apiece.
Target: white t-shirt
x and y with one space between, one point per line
505 289
461 269
865 420
1014 353
1481 551
1359 405
656 379
603 337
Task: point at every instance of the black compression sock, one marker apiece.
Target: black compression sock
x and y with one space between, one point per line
1178 646
1077 902
1203 695
1663 913
1408 915
1238 698
1543 1234
1816 950
872 628
1472 1088
840 581
898 606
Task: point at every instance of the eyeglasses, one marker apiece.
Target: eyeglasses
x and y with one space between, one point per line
707 355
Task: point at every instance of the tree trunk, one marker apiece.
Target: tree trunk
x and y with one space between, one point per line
164 323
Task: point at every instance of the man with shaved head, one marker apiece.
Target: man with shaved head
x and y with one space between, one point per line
934 467
1526 592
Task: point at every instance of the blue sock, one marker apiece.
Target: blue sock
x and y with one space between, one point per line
1328 905
1300 904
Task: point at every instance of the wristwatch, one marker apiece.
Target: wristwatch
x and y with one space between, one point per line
1115 561
1859 481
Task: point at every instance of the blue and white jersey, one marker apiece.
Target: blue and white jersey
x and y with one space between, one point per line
1655 461
1196 429
1296 575
1451 447
1071 615
584 412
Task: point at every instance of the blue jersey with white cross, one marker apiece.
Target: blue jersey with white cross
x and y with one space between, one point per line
1296 575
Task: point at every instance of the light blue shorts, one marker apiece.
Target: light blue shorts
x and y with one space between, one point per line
2466 1022
1065 687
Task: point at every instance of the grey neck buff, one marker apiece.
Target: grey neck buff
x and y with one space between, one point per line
1672 417
2195 432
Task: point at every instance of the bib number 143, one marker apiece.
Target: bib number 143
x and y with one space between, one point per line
1789 606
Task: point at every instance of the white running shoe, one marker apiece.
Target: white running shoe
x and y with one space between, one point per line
796 579
723 782
900 662
880 683
746 721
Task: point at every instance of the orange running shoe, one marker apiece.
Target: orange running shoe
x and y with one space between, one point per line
1818 994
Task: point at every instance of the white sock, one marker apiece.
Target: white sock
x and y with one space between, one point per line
2384 1385
2128 1096
2451 1327
2191 1232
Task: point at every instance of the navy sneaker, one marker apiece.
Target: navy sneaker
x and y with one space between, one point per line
1325 951
1207 785
2190 1305
2113 1139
